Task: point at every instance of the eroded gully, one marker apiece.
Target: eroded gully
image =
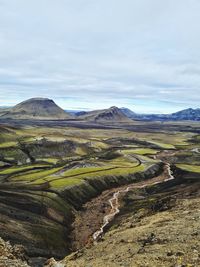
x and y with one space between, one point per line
114 200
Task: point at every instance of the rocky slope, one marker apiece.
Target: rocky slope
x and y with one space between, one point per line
12 256
36 108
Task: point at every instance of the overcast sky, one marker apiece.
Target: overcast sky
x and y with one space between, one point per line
90 54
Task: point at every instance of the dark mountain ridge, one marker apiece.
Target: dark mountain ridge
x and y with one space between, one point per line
112 114
186 114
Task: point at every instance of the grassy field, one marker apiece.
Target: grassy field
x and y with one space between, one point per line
141 151
190 168
65 156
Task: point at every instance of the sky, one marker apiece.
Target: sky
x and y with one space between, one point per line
89 54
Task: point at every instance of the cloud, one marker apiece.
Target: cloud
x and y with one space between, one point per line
87 53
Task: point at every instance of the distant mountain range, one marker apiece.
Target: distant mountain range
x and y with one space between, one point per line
46 109
186 114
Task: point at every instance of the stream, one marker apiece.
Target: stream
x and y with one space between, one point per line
114 200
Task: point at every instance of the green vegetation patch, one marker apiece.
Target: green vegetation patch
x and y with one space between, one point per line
141 151
147 159
35 175
164 145
8 144
15 169
64 182
124 161
79 175
118 171
67 181
49 160
112 172
188 167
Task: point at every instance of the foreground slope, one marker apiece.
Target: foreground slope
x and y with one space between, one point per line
36 108
156 228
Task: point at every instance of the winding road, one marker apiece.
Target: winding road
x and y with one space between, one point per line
114 201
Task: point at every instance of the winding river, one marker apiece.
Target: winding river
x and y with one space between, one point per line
114 200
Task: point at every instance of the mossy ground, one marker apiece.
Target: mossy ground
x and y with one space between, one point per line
54 149
190 168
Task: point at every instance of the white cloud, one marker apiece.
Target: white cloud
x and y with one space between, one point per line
99 53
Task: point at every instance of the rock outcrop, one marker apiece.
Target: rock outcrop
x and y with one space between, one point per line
12 256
